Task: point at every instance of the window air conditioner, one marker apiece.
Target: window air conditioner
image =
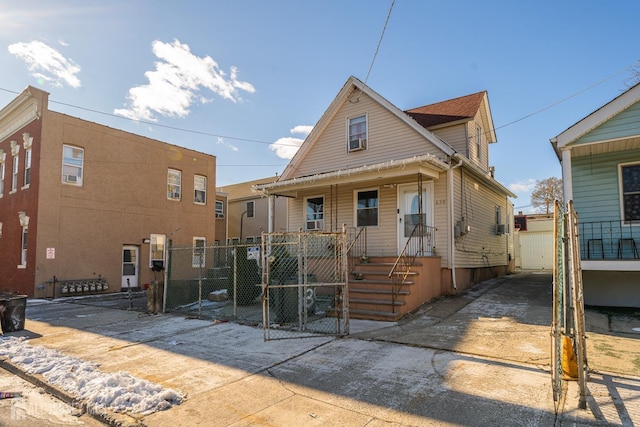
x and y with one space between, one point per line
357 144
70 178
501 229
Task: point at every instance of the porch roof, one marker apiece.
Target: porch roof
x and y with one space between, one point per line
427 165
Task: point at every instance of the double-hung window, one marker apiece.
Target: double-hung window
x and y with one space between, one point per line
250 209
14 174
357 133
27 167
219 209
630 177
200 187
23 246
367 208
157 251
72 164
199 244
2 172
314 213
174 184
478 142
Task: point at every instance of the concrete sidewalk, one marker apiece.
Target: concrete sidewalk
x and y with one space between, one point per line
480 358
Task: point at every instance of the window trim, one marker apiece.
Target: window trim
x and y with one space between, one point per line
154 242
79 177
363 142
306 217
14 174
3 168
27 169
203 190
621 194
174 195
251 213
24 236
196 253
478 142
356 209
219 212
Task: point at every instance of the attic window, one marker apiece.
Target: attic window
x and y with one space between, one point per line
358 133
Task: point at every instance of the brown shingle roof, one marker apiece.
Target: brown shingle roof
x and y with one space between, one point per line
462 108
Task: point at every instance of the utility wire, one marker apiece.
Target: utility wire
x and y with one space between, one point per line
379 41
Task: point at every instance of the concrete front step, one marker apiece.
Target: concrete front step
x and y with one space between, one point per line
374 315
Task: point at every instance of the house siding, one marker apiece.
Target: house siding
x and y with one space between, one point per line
624 124
596 191
388 138
455 136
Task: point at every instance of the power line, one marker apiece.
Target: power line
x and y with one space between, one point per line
380 41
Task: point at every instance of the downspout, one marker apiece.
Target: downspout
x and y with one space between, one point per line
452 254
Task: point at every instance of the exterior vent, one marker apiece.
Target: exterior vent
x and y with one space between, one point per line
357 144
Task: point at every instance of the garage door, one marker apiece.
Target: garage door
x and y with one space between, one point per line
536 250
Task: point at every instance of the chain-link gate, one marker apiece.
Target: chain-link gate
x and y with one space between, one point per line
305 284
568 343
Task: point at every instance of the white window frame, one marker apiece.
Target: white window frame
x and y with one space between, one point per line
357 141
219 209
2 173
200 187
623 215
198 259
478 142
318 217
356 209
27 168
251 212
23 246
174 184
157 248
14 174
72 179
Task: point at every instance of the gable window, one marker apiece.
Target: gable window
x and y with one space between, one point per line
314 219
72 164
174 184
479 142
157 251
200 187
630 176
27 167
219 209
199 244
358 133
367 208
14 174
250 209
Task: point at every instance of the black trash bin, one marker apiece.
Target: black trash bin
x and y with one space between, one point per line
12 308
284 300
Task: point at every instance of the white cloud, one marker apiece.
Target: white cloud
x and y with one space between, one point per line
47 64
174 84
223 142
287 147
523 186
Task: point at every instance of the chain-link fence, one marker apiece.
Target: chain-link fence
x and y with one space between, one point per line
293 284
305 278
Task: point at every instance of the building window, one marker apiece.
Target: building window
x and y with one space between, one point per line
314 216
219 209
250 209
23 247
498 215
199 244
358 133
174 184
479 142
200 187
630 176
367 208
27 167
2 171
14 174
157 249
72 165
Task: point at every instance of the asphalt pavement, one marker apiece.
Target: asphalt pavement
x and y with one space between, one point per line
480 358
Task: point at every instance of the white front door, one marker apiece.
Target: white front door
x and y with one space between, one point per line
409 217
129 267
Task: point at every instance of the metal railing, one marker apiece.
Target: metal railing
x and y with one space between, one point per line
356 245
608 240
420 243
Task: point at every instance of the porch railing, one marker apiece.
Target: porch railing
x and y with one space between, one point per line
356 245
609 240
420 243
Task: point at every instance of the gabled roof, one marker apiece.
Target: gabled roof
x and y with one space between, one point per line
462 108
351 86
244 190
595 119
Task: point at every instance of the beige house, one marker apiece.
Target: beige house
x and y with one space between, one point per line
419 183
534 241
222 225
248 213
86 208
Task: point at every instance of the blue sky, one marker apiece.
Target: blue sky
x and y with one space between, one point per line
233 78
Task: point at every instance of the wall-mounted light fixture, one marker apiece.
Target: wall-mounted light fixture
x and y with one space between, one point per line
146 241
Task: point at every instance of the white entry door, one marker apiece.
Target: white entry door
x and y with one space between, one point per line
129 267
409 217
